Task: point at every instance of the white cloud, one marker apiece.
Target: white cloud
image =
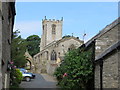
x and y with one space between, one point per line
28 28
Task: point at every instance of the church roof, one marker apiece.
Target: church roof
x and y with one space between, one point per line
68 38
116 46
62 40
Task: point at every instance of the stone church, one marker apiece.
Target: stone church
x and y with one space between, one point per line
53 47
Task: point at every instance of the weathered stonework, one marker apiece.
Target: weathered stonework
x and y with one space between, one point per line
110 71
43 59
7 13
106 53
107 37
106 63
53 42
97 76
110 68
0 46
48 35
118 68
30 63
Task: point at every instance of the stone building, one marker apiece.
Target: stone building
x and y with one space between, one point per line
106 63
106 58
53 47
107 67
30 63
7 14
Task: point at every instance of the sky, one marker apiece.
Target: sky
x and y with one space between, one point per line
78 17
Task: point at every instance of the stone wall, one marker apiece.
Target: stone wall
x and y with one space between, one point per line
106 53
118 69
0 46
47 34
7 11
43 61
97 76
30 63
106 72
109 72
107 37
5 44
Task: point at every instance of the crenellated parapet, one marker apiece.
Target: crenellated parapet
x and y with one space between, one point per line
51 31
51 20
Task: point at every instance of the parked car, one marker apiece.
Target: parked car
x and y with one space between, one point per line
33 75
27 75
22 70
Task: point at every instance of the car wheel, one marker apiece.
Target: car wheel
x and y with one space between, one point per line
27 79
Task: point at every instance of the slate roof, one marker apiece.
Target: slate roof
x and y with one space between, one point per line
116 46
103 31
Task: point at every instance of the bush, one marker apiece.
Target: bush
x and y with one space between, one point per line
15 78
76 70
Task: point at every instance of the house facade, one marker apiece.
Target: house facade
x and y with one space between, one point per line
7 15
106 57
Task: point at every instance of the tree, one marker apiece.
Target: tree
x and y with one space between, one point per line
76 70
18 49
20 45
33 43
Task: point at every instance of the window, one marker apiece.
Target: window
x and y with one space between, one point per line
71 47
68 49
53 55
53 29
43 27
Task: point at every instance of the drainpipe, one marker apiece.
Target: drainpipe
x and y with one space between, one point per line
101 73
93 60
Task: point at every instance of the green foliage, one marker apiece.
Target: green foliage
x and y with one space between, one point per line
78 66
66 36
18 50
15 78
33 43
20 45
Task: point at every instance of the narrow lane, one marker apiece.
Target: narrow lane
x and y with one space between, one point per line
41 81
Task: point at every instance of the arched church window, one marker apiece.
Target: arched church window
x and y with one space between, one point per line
53 29
53 55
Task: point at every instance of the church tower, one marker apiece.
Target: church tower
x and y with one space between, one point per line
51 31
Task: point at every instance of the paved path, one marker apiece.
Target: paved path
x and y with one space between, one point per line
41 81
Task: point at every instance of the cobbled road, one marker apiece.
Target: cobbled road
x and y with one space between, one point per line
41 81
